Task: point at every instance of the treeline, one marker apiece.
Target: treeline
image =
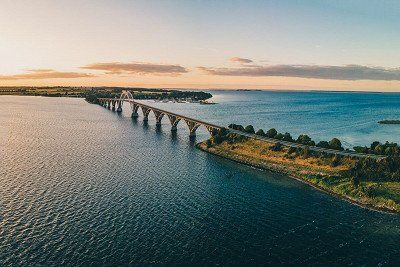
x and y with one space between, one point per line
367 169
301 139
388 149
159 94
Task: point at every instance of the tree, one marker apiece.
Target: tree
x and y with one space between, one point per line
223 131
271 133
323 144
208 143
279 136
287 137
217 139
236 127
260 132
335 144
361 149
249 129
305 140
374 144
355 181
378 149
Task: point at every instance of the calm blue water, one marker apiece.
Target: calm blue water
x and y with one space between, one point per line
352 117
81 185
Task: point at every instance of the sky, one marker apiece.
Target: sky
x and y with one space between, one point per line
308 44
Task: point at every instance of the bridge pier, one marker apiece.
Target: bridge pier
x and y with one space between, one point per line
159 115
146 112
192 127
135 108
119 109
174 122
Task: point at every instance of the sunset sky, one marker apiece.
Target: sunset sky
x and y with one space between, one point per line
331 45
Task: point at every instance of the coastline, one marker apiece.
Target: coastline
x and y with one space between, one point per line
284 170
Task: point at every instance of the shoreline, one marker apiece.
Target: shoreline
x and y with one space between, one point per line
280 170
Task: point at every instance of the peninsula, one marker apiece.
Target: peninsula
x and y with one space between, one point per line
369 181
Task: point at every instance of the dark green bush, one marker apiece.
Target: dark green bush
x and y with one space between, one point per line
260 132
335 144
249 129
271 133
276 147
305 140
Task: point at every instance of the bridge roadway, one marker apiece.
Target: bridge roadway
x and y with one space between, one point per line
193 124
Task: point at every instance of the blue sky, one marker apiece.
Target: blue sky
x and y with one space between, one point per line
64 36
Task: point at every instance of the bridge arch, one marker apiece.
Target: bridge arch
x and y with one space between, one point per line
127 95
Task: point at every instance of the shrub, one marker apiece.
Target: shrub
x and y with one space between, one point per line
361 149
232 137
291 150
323 144
208 143
249 129
271 133
374 144
336 161
279 136
217 139
236 127
335 144
260 132
287 137
276 147
305 140
305 152
223 131
355 181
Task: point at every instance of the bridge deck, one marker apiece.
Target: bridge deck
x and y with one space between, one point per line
257 137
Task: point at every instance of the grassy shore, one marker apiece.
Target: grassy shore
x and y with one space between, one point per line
322 172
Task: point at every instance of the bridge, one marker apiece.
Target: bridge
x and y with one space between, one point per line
193 124
116 104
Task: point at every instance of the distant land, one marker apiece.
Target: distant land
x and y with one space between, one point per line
92 93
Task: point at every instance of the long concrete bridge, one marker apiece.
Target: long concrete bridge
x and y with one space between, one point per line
116 104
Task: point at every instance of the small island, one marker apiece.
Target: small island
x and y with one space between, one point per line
389 122
365 181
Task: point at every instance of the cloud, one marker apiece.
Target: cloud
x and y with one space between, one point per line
36 74
347 72
241 60
137 68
